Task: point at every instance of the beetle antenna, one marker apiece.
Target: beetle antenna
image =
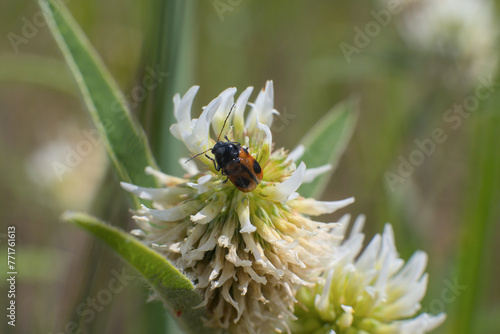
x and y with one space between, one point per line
223 125
196 155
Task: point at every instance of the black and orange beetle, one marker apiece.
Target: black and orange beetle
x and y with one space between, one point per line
234 161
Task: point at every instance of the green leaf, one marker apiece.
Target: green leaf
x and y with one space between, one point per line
479 219
176 290
326 141
123 137
174 53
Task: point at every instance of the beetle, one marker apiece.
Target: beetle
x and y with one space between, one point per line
234 161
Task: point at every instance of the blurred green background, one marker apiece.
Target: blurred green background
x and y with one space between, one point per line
447 204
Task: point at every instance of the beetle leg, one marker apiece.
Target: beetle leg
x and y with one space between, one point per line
217 168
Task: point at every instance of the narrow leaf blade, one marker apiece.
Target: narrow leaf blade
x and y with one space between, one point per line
122 135
479 220
176 290
326 141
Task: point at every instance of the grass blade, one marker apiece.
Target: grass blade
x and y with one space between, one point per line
480 217
326 141
174 55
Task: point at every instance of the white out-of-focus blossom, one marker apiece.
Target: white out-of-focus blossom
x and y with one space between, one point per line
462 33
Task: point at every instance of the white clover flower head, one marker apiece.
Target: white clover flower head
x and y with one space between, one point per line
369 291
247 253
463 32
